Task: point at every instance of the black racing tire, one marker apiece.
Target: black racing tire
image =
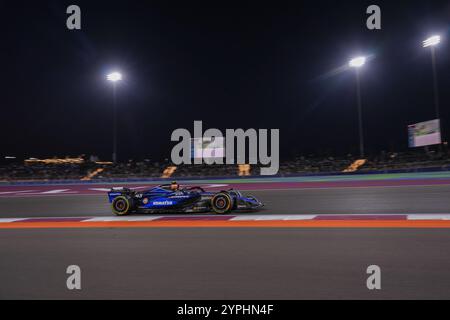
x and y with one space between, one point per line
222 203
122 205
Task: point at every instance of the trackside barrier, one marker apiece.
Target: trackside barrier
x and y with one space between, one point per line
244 170
168 172
355 165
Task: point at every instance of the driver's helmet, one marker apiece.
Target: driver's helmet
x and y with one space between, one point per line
174 186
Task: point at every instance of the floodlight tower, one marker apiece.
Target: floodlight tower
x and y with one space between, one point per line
357 63
114 78
431 43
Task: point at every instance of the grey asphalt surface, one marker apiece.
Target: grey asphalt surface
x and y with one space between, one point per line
225 263
211 263
405 199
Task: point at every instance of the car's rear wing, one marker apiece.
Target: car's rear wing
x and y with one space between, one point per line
118 191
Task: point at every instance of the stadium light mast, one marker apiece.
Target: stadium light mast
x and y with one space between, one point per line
432 42
357 63
114 77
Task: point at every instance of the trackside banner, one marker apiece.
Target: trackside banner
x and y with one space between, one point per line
208 147
424 133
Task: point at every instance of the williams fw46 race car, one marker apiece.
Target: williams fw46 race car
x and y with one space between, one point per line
171 198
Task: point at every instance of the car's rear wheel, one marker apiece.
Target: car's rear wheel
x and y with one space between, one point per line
222 203
122 205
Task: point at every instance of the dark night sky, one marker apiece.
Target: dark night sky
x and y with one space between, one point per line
230 64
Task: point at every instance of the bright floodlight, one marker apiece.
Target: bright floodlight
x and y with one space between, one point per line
432 41
114 76
357 62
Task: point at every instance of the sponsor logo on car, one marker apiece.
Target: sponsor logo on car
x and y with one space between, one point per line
162 203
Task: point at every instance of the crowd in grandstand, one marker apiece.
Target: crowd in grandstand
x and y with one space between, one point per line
305 165
18 171
131 169
407 161
94 170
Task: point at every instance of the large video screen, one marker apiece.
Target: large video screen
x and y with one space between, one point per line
208 148
424 133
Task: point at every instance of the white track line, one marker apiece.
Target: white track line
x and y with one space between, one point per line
428 217
7 220
274 217
108 219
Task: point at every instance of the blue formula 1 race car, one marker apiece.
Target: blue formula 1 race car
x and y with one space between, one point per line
171 198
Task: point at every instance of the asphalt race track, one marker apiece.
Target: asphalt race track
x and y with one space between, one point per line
348 200
224 264
233 263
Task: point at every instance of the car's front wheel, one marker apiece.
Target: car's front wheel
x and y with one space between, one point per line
222 203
